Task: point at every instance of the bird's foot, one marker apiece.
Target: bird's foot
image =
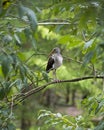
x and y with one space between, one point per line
57 80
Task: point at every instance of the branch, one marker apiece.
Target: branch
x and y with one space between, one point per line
35 90
44 22
53 23
33 55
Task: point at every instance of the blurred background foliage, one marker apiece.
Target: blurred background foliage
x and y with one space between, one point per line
29 30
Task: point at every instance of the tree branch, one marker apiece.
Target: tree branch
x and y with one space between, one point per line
35 90
53 23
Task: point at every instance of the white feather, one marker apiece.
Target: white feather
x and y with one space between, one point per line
58 60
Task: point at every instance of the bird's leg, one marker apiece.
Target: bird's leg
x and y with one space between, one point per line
54 76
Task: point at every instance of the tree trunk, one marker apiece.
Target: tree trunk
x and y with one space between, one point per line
73 97
67 94
25 123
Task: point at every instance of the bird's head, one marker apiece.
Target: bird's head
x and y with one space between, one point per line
55 50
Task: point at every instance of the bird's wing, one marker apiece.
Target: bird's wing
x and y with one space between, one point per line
50 64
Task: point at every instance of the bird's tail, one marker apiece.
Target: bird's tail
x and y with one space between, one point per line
48 70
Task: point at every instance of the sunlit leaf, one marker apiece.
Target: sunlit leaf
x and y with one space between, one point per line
18 42
70 41
88 44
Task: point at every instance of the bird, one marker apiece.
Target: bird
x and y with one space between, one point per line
54 62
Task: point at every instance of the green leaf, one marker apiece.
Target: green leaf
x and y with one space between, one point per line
44 113
18 42
88 58
7 39
2 93
79 128
89 46
45 75
100 106
33 41
19 84
4 90
30 15
70 40
88 43
22 72
5 65
27 32
11 127
15 60
100 126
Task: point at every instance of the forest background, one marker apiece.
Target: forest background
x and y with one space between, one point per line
29 30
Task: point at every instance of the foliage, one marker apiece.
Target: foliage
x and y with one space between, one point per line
28 31
94 106
64 122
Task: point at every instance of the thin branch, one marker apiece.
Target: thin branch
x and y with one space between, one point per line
36 90
45 22
33 55
55 20
53 23
11 106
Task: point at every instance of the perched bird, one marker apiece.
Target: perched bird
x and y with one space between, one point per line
55 61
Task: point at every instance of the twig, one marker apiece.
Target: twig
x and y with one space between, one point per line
33 55
53 23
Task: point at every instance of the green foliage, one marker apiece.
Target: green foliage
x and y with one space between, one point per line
70 41
95 105
6 117
64 122
100 126
5 65
77 27
24 11
52 119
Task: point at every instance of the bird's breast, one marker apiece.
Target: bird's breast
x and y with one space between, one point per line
58 61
